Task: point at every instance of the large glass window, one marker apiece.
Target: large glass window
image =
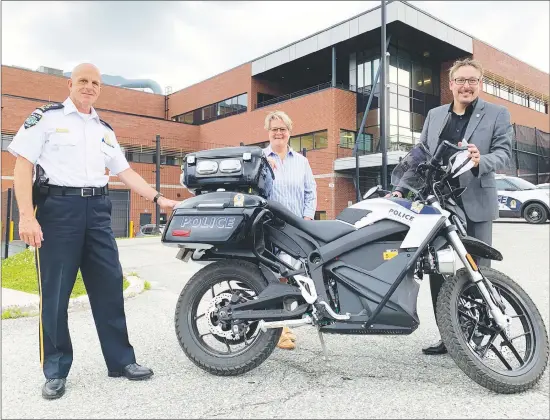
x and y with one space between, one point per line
222 109
347 139
393 116
520 99
417 122
320 140
306 142
375 65
310 141
365 74
504 93
489 88
242 102
393 74
361 74
148 155
417 79
365 142
513 94
404 103
295 143
393 100
414 90
404 72
404 119
427 81
188 118
368 74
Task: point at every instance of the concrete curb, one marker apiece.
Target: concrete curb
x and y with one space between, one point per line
137 286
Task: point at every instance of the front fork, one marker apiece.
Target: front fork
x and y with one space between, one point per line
502 320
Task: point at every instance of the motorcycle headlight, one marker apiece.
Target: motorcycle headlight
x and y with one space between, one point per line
207 167
230 166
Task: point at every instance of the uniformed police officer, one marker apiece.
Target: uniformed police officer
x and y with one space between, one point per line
70 225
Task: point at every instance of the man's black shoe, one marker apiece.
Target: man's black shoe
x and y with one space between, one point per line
134 372
437 348
53 388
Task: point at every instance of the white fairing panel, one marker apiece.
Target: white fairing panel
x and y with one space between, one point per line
420 225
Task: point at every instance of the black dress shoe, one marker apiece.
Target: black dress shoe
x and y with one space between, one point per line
437 348
134 372
53 388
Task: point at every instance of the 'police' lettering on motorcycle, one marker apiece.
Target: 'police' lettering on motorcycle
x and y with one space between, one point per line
401 214
209 222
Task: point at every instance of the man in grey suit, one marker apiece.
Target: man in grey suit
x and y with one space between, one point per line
487 129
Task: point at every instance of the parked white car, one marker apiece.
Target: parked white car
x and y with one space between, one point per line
149 229
518 198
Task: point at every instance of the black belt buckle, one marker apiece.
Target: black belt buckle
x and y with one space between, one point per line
84 194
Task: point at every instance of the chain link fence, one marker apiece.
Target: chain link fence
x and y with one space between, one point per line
530 155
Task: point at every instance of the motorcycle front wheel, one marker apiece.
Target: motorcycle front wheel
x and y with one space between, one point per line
505 361
216 347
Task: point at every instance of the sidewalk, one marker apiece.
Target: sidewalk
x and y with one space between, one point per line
28 304
22 303
12 299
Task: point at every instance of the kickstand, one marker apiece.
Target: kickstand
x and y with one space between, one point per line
325 354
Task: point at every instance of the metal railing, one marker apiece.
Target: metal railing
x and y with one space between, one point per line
395 143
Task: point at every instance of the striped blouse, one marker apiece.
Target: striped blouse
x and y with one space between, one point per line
294 185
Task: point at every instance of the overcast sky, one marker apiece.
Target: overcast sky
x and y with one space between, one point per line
178 44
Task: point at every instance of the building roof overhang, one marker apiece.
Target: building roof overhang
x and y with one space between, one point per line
396 11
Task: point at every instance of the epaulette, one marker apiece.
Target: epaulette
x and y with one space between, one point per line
49 107
33 119
107 125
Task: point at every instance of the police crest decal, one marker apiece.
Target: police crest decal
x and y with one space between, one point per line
32 119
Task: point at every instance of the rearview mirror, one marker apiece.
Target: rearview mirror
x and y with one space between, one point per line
371 191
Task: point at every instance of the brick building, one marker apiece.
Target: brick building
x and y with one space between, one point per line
322 82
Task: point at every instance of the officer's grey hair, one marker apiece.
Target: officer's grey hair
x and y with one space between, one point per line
278 115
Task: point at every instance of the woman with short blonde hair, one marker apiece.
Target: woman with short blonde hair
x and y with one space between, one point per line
294 185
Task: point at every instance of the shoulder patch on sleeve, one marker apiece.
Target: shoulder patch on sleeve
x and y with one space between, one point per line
32 119
49 107
36 116
106 125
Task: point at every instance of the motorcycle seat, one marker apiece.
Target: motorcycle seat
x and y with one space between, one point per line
323 230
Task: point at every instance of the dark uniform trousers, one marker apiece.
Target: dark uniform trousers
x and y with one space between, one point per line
479 230
77 234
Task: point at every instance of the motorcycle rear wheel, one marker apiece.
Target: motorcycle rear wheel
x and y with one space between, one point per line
460 313
191 341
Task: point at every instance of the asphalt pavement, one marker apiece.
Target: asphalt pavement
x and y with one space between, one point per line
365 377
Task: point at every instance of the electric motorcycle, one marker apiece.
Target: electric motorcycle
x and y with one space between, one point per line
358 274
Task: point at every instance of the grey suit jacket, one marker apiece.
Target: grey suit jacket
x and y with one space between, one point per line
491 131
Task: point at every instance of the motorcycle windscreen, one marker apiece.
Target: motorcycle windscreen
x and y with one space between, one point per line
405 174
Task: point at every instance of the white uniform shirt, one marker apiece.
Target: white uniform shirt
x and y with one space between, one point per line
73 148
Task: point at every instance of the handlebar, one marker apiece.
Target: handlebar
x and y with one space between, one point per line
434 164
442 148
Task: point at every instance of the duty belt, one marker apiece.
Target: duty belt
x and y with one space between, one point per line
81 191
